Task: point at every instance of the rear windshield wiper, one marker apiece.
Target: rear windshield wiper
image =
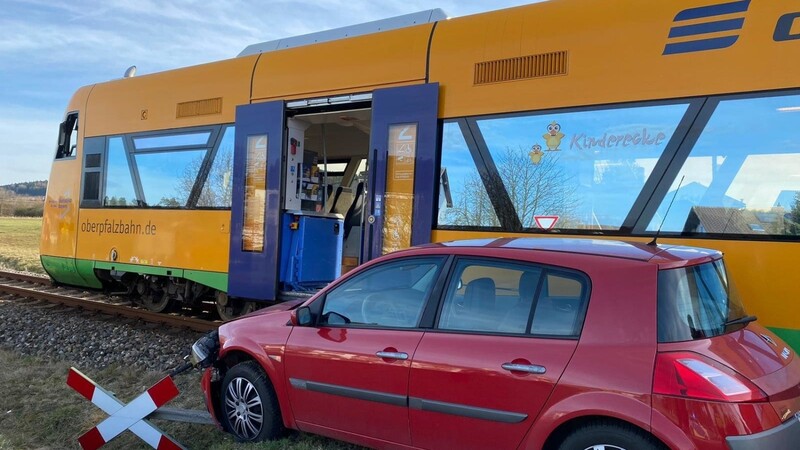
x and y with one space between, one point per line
742 320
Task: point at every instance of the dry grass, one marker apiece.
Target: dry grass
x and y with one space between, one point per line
39 411
19 243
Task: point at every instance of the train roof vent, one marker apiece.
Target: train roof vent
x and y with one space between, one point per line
521 68
392 23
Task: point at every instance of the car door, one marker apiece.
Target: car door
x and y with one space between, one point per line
504 334
349 372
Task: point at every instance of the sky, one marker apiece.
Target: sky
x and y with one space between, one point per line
48 49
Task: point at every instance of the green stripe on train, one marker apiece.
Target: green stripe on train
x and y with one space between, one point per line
792 337
80 272
71 271
216 280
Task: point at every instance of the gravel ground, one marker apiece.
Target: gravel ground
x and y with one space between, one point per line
90 341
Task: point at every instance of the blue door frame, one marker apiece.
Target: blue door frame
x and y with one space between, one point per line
254 274
417 104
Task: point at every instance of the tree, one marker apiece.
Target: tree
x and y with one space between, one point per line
218 186
472 206
534 189
170 202
793 227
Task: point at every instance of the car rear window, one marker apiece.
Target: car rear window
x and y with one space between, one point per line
696 303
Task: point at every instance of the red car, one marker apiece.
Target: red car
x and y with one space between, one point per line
513 343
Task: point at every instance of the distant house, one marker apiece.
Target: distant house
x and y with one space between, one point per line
697 193
720 220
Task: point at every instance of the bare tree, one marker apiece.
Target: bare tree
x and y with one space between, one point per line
217 189
538 189
543 188
472 206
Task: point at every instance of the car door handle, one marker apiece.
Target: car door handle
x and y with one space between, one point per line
392 355
529 368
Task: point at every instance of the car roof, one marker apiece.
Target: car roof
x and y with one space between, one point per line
663 254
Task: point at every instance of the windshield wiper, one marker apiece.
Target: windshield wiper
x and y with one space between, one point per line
742 320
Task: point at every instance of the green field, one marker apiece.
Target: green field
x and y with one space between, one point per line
19 243
38 410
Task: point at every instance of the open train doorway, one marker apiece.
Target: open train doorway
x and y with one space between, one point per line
335 174
325 184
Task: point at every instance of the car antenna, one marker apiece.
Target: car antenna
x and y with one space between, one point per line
655 238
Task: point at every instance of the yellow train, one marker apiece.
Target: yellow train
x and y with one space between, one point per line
249 179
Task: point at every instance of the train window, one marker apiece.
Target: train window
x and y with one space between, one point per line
119 183
167 178
577 169
218 187
255 193
93 150
469 205
68 137
199 139
740 180
91 185
93 161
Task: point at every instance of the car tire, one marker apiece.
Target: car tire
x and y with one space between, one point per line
607 435
249 405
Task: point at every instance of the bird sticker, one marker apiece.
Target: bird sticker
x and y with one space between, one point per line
553 136
536 154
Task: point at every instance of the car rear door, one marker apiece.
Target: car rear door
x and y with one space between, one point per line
348 375
504 334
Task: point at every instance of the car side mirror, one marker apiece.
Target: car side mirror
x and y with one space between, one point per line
301 316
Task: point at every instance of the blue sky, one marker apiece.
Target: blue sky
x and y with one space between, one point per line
48 49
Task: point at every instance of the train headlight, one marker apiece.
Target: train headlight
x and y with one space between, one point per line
205 350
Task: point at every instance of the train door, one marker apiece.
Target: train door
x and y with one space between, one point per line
308 173
255 209
402 163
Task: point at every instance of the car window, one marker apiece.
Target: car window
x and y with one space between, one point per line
502 297
697 303
561 306
391 295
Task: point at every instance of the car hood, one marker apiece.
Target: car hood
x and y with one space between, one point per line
280 307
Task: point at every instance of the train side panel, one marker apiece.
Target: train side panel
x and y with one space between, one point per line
157 241
613 52
201 95
61 208
358 64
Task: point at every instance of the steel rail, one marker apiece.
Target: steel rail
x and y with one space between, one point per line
38 279
173 321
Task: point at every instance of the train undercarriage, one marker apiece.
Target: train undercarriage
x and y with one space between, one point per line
165 294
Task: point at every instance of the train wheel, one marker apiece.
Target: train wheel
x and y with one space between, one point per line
156 301
231 308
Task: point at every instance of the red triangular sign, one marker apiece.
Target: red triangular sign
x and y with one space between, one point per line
546 222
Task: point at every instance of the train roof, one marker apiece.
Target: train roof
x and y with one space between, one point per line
544 56
376 26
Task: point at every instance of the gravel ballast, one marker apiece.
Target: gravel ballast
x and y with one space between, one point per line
90 341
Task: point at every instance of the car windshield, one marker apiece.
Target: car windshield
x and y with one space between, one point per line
697 303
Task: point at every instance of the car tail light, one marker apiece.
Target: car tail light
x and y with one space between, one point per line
691 375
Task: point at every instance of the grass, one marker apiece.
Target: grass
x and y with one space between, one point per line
19 244
38 410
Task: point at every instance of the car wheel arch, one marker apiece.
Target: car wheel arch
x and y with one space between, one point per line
234 353
580 408
560 433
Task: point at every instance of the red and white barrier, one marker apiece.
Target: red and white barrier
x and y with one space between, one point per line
123 417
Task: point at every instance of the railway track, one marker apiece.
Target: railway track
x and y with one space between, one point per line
41 288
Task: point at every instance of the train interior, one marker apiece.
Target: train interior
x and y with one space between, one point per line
336 146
